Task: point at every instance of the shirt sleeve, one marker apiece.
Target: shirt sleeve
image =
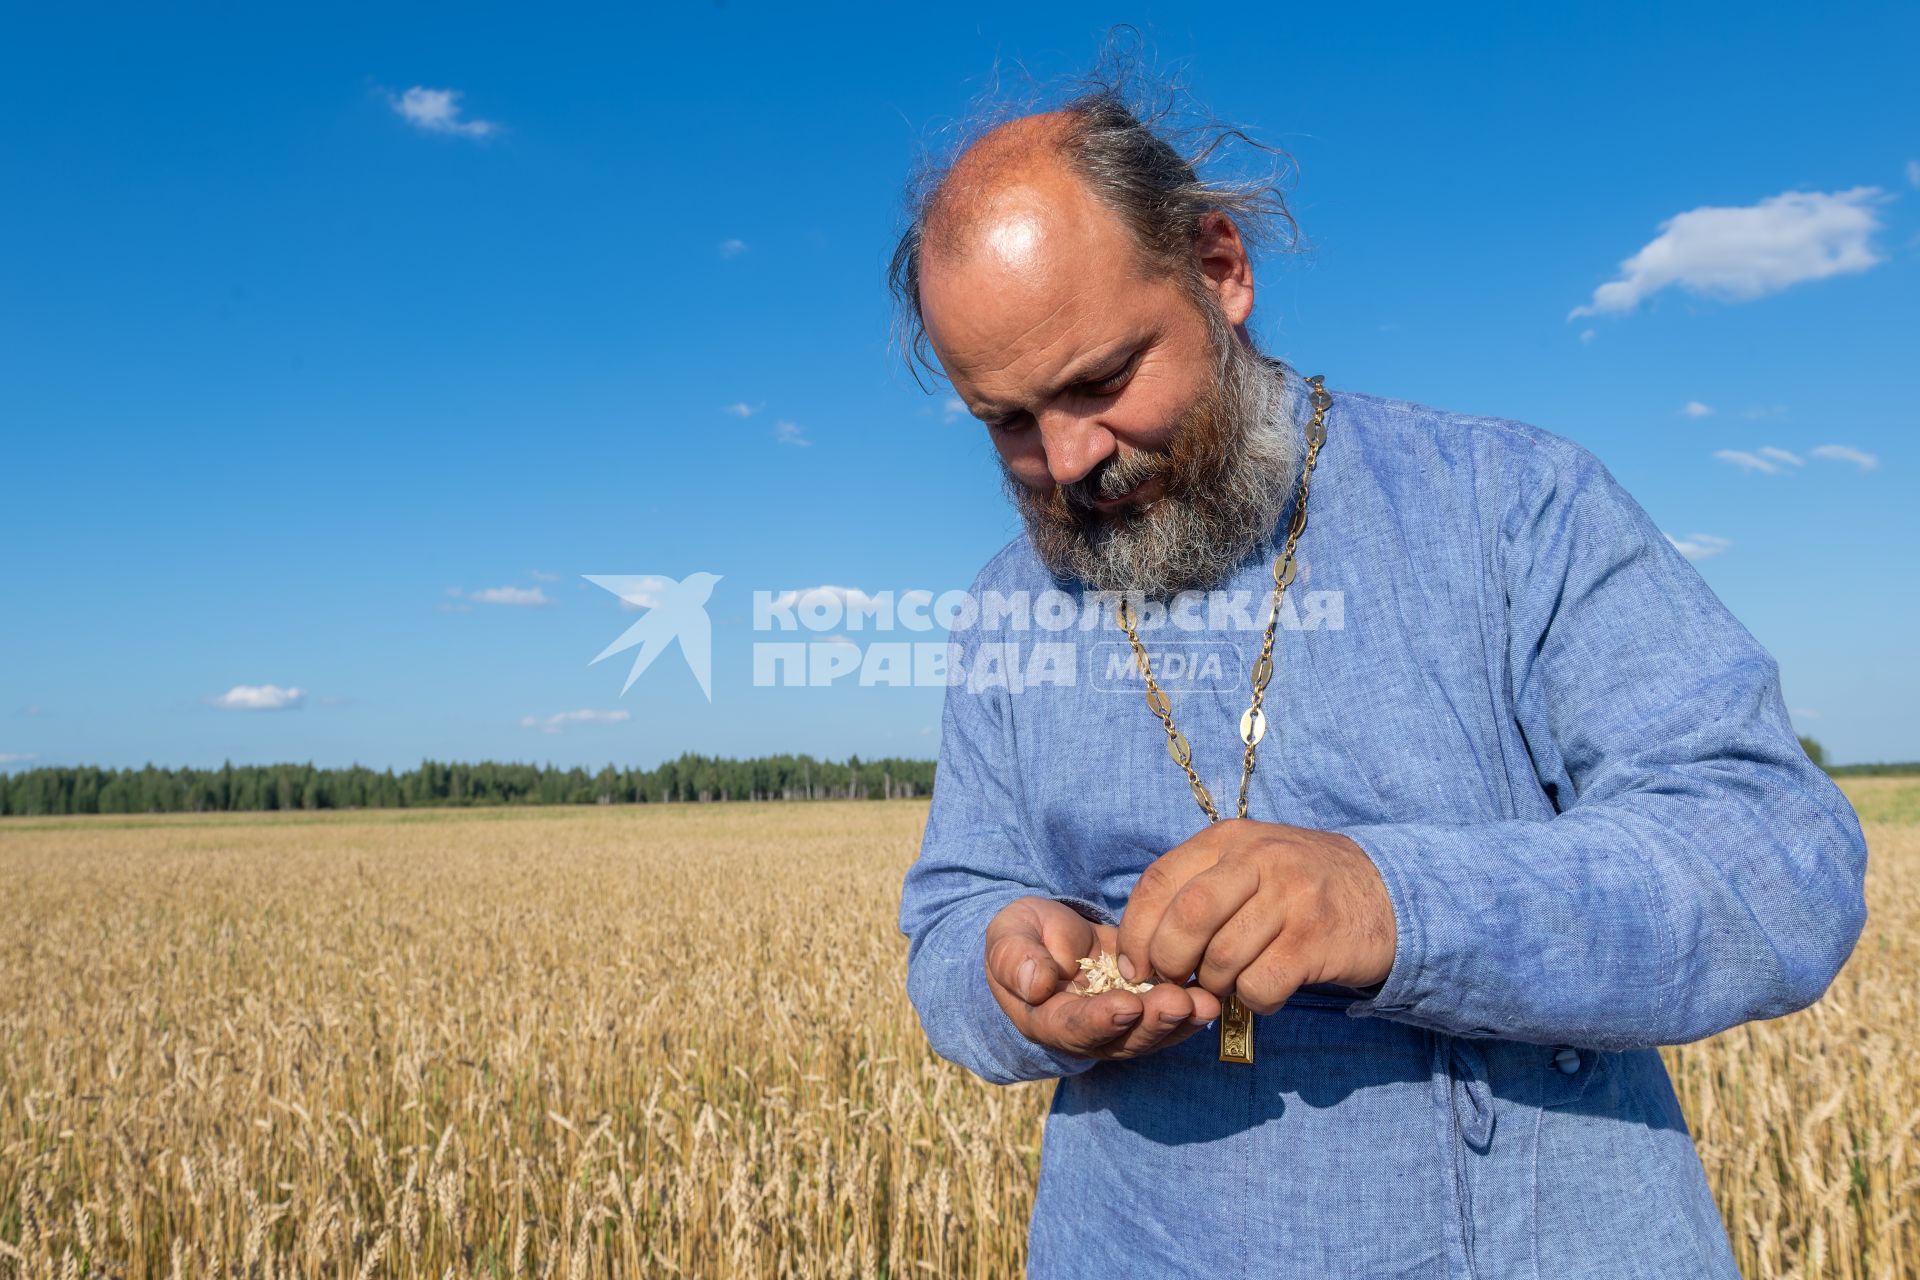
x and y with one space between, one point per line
1699 872
975 858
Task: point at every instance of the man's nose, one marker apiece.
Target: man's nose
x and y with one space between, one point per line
1075 445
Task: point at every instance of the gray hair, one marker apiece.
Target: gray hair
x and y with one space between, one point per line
1126 145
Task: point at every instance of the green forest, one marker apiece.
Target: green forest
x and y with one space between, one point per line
1818 755
86 789
691 778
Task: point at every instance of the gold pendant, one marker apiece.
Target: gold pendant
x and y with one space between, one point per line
1236 1031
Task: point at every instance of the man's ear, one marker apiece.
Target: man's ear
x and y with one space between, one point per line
1222 259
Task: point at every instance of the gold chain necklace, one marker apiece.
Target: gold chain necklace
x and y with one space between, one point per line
1236 1022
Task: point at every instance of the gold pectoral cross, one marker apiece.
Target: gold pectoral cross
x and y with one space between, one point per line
1236 1031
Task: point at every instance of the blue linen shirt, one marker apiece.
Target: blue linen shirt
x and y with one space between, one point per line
1574 771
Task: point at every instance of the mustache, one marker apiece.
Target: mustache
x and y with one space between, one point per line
1224 469
1112 477
1197 456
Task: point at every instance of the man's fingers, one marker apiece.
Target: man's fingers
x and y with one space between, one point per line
1120 1025
1238 943
1206 1005
1033 950
1171 1014
1166 1018
1015 961
1018 961
1068 935
1081 1025
1269 981
1145 1040
1034 947
1203 906
1164 877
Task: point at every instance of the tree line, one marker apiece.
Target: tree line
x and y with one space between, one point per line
435 784
1818 755
259 787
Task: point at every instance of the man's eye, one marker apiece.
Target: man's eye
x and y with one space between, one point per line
1112 382
1100 387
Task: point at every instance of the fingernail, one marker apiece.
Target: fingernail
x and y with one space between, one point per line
1126 968
1199 1021
1126 1019
1025 980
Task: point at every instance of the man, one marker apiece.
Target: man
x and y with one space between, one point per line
1526 802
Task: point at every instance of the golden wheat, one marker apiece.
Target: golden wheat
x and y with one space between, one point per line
1100 974
667 1040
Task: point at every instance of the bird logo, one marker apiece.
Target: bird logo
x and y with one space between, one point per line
675 611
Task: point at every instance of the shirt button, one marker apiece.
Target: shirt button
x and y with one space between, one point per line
1568 1060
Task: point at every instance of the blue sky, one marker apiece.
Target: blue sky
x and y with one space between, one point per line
290 356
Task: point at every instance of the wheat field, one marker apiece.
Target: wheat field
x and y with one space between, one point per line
665 1040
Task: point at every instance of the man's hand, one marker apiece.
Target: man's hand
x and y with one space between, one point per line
1258 910
1033 953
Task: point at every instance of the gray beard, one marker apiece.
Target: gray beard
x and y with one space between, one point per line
1228 469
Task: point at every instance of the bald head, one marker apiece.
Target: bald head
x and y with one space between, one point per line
1011 192
1003 190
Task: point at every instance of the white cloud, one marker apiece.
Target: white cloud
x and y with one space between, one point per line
438 111
561 719
1586 335
1738 254
952 408
538 576
790 433
741 409
520 597
1698 546
1759 411
17 757
1913 173
1803 713
730 248
642 592
260 697
1747 461
1846 453
1694 409
1771 459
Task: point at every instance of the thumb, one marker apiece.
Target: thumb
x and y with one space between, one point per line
1018 959
1068 936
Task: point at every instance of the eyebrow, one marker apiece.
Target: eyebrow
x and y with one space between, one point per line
1077 374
